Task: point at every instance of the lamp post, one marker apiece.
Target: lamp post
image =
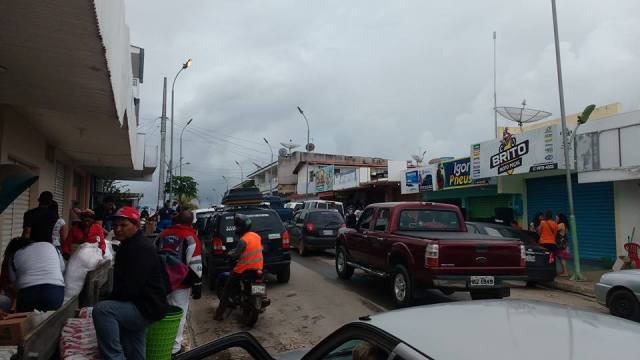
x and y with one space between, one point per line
184 66
308 148
241 174
270 177
577 273
182 133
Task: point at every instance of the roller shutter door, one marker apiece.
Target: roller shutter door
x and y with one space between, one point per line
595 212
58 190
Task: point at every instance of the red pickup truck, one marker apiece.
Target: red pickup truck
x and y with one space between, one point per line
426 246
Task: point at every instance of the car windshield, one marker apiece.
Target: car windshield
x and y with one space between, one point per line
322 218
429 220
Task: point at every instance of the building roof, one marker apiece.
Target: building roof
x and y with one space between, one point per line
263 169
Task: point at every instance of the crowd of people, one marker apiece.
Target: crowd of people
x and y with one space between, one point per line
32 276
553 233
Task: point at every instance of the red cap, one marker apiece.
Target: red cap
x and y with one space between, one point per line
128 212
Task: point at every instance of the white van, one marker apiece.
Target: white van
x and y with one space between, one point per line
324 204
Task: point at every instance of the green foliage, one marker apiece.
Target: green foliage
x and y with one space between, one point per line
115 187
185 189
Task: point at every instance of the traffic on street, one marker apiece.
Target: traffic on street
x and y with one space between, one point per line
365 180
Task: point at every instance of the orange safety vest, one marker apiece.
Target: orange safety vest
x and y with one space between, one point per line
251 257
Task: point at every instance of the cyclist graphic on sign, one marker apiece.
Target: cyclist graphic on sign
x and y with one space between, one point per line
507 142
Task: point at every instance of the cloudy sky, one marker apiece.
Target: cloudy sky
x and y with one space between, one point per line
375 78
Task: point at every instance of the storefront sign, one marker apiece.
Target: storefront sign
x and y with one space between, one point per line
533 151
418 180
324 178
456 174
346 179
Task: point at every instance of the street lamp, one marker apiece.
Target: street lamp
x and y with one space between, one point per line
270 177
184 66
241 174
181 133
308 147
577 273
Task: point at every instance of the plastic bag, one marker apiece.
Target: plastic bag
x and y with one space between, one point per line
86 258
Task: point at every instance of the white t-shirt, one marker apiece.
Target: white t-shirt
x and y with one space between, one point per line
55 236
37 264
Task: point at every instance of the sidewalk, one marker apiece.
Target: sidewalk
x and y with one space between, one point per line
591 271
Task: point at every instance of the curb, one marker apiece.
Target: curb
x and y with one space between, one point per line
581 288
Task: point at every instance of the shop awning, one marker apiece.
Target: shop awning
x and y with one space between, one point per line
14 180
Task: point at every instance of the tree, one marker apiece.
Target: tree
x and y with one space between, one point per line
114 187
185 188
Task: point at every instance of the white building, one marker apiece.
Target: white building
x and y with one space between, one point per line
68 101
608 151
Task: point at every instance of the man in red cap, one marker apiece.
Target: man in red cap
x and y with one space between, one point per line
139 296
181 239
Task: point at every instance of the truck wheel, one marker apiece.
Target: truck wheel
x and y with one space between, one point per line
342 268
624 304
401 287
284 275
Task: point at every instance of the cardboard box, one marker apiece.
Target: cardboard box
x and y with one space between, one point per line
14 328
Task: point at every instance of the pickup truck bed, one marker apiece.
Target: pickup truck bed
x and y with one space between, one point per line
449 235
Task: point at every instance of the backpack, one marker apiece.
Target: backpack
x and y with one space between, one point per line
174 271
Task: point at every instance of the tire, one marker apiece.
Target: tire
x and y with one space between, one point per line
250 314
401 287
213 278
284 275
302 249
623 303
343 269
532 284
485 294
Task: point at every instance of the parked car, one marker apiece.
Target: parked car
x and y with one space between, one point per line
324 204
267 223
541 264
461 330
620 292
315 229
276 203
427 246
200 217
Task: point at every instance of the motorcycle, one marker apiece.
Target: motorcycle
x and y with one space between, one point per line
251 297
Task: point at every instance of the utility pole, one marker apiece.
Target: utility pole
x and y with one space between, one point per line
163 141
577 273
495 102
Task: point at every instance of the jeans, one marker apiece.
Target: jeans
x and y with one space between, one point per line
232 285
120 329
44 297
180 298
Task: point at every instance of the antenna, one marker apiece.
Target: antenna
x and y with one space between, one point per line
257 165
522 115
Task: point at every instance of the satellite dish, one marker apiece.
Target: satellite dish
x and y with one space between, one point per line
418 158
282 152
290 146
521 115
310 147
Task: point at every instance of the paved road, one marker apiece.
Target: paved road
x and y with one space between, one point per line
377 290
315 303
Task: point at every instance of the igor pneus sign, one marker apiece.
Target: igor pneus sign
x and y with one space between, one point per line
534 150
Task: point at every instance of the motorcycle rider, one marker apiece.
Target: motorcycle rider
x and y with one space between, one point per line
249 254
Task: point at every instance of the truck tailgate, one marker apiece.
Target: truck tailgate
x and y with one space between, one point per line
482 257
462 253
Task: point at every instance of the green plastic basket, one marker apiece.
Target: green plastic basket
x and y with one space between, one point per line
162 334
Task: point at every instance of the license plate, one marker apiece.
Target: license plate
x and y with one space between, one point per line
531 258
483 281
327 232
258 289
